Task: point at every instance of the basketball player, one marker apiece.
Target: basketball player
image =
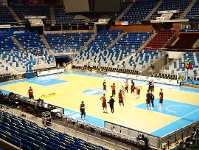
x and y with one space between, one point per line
152 100
151 86
111 103
104 86
82 110
137 91
161 99
113 90
30 93
132 87
120 97
126 85
123 92
104 106
148 98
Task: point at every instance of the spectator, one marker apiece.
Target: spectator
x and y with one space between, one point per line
143 138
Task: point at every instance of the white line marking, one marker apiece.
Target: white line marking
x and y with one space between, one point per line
167 108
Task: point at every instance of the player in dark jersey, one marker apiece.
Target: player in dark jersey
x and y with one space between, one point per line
120 97
104 86
104 105
132 87
152 100
82 110
113 89
161 98
111 103
148 98
151 86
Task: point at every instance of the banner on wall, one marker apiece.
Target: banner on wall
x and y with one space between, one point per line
143 78
49 72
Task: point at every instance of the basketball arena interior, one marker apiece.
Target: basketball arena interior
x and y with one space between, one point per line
64 50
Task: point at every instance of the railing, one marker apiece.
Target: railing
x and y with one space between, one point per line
72 132
154 141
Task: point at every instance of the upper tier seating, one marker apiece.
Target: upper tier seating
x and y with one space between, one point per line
122 8
6 16
67 42
99 43
160 39
127 44
6 43
62 17
180 5
178 65
193 12
140 60
139 11
186 41
35 137
34 10
29 40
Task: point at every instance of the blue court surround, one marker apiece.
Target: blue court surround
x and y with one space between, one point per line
45 81
94 91
76 115
187 113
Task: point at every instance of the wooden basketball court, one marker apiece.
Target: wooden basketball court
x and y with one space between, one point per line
69 89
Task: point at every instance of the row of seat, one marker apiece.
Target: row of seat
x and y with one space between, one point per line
34 137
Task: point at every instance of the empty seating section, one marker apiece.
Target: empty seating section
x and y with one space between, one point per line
34 10
178 65
18 59
34 137
6 16
186 41
127 44
99 43
141 60
122 8
62 17
139 11
180 5
4 69
6 43
29 39
159 39
67 42
193 12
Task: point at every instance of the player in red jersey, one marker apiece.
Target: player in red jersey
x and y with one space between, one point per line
104 105
161 98
123 92
126 85
113 90
137 91
120 97
30 93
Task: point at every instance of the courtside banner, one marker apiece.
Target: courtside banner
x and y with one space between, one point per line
49 72
143 78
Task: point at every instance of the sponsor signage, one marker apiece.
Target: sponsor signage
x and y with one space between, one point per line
143 78
49 72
